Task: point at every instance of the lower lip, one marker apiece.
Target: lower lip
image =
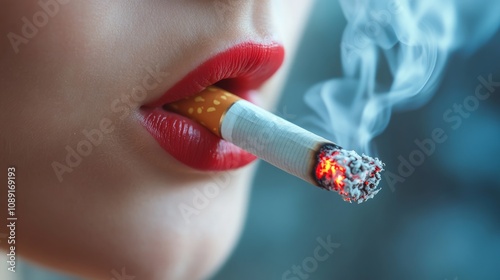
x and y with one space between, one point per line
192 144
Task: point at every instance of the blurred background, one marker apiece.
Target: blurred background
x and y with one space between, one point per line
438 219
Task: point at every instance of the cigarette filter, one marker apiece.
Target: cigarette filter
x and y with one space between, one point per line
283 144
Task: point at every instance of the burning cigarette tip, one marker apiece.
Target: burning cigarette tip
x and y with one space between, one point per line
354 177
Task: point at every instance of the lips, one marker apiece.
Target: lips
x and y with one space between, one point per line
240 70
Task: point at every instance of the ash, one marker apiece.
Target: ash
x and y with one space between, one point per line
362 174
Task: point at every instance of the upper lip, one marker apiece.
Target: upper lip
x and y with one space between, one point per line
242 68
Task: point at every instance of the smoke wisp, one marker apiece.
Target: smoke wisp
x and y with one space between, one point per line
413 41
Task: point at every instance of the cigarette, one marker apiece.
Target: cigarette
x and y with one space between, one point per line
285 145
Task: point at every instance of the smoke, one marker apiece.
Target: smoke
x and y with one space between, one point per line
393 56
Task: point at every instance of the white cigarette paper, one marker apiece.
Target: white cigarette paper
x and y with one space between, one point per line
271 138
283 144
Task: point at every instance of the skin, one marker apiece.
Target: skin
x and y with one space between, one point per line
119 208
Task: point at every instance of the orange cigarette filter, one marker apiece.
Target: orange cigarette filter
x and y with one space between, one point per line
207 107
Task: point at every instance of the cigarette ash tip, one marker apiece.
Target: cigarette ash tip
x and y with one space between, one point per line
353 176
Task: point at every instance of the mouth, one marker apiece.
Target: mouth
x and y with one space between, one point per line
241 70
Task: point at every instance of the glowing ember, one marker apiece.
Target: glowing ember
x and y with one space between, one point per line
353 176
331 170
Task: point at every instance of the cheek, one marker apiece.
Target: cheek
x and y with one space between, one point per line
290 19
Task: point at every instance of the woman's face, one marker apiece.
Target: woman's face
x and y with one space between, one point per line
96 192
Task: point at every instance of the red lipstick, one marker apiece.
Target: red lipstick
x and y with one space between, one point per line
240 69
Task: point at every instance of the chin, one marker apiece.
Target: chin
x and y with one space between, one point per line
140 230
